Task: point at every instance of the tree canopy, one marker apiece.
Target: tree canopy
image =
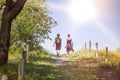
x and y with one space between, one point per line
33 25
23 22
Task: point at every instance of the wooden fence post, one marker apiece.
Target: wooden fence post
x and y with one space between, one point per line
24 54
27 53
89 45
96 52
21 70
4 77
106 54
85 46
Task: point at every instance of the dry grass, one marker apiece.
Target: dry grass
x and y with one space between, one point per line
78 67
82 64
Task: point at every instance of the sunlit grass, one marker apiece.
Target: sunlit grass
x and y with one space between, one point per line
111 61
78 67
39 67
81 63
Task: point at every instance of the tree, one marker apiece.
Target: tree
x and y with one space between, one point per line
33 25
12 9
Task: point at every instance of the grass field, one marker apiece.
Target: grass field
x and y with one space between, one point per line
39 67
81 65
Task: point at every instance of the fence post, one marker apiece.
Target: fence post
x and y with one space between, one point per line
27 53
96 52
85 46
21 70
24 54
89 45
106 54
4 77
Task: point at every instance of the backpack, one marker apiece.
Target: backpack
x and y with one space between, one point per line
58 41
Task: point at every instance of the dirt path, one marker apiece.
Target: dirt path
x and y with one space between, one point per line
60 61
105 73
83 69
73 71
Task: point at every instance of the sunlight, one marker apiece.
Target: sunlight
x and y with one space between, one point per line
107 31
81 10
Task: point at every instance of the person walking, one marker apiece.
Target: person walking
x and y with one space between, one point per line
69 44
57 44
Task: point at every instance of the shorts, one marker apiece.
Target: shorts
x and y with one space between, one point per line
69 47
58 47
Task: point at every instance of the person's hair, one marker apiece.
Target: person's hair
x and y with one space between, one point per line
68 34
58 34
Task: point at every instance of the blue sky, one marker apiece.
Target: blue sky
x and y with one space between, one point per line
95 20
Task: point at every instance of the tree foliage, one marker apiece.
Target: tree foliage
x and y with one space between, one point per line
33 25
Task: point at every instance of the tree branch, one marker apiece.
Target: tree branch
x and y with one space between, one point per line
15 10
1 6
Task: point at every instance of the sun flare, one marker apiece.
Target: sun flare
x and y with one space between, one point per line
81 10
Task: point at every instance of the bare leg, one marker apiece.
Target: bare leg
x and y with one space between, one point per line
72 50
58 53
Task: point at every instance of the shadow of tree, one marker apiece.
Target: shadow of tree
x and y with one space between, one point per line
9 69
41 72
33 70
46 71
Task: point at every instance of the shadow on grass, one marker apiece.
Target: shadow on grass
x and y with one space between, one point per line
39 58
33 70
41 72
10 69
45 71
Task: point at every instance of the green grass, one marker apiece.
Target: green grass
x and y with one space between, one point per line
39 67
79 66
82 63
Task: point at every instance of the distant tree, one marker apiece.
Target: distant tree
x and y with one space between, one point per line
11 10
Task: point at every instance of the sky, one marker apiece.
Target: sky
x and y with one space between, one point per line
86 20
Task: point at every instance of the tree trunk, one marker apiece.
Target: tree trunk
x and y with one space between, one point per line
12 9
5 41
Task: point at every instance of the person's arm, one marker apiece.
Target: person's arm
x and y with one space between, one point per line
66 43
71 43
54 43
61 42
